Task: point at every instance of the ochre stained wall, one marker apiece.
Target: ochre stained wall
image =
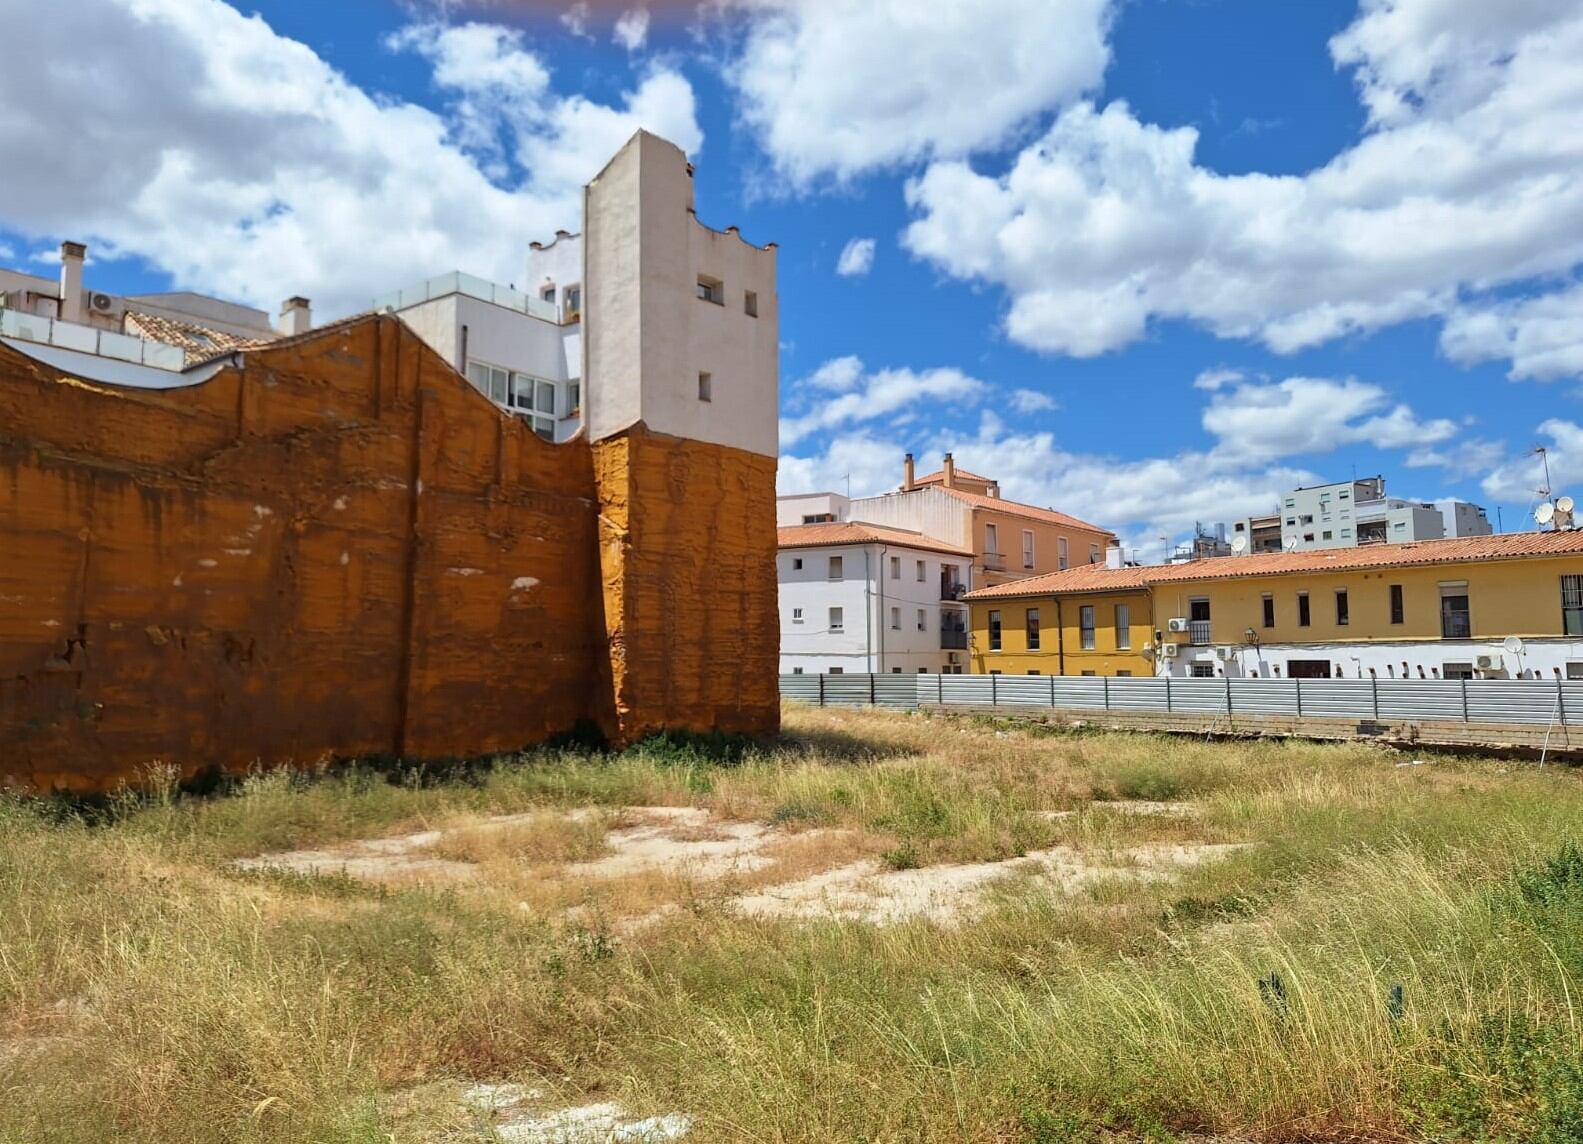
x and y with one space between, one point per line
1061 650
686 531
339 549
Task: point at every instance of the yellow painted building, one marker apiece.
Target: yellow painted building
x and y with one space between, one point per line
1443 608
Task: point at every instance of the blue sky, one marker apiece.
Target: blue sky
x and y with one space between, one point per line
1147 261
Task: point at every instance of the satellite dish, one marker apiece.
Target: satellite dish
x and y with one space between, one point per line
1291 544
1239 544
1545 513
1564 504
1514 645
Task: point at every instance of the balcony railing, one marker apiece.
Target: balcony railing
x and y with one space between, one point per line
1198 633
994 562
952 589
485 291
90 340
953 640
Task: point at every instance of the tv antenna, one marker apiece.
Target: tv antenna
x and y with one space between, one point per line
1544 459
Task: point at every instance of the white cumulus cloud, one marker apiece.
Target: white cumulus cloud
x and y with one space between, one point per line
1261 433
857 258
1542 337
241 163
1469 176
835 88
864 396
632 29
1517 479
1031 401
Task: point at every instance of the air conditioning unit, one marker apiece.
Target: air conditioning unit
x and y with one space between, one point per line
1488 663
1176 625
101 302
1168 650
953 657
1225 652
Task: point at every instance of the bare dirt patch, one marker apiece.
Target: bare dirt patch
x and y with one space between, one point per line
650 854
866 891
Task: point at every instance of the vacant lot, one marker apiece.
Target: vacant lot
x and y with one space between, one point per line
889 927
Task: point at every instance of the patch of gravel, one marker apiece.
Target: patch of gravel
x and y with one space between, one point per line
593 1124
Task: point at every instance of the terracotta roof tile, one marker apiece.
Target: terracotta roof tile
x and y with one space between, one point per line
1031 512
938 478
1457 550
199 343
857 532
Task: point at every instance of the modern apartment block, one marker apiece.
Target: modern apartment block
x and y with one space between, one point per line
1349 513
520 348
858 597
147 340
1444 609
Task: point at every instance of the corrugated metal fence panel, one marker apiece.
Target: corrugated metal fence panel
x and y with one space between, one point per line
1022 690
1512 700
1128 694
972 690
846 690
1198 695
896 690
1488 700
1339 698
1420 698
1079 692
804 687
1264 696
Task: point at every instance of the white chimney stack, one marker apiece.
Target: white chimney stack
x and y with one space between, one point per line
1113 556
296 317
72 256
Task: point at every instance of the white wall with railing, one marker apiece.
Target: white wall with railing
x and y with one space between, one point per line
90 340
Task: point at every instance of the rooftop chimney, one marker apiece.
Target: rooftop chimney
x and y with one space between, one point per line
907 475
1114 557
72 255
949 472
296 317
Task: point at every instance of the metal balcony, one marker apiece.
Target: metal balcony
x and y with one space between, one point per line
1198 633
953 641
994 562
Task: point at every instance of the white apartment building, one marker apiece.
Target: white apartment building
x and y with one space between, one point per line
858 597
1350 513
151 341
521 349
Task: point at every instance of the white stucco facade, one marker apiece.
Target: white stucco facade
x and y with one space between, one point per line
1539 659
507 353
682 321
927 510
873 614
805 508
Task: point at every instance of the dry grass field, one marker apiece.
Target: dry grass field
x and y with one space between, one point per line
886 927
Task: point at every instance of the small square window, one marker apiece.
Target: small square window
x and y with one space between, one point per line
705 386
796 615
796 563
750 304
711 290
